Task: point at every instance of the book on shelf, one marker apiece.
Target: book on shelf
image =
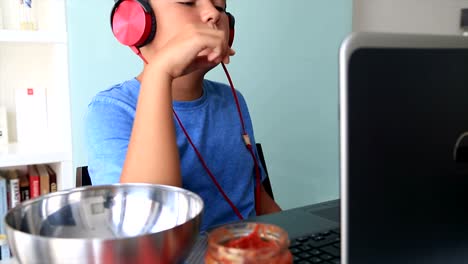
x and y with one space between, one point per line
13 188
24 187
4 249
52 179
44 179
34 182
3 201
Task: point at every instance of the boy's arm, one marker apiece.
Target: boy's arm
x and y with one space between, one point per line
152 155
268 205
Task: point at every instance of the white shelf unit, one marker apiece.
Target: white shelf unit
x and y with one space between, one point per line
39 59
30 59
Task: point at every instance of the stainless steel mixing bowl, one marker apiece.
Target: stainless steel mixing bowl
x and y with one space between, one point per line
120 223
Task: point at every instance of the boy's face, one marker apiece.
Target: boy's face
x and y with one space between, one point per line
173 15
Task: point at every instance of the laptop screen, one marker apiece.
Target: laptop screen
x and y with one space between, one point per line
404 142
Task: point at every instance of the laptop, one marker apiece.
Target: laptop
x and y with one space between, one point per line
404 148
403 157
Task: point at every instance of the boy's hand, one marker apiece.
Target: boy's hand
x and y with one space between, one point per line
194 48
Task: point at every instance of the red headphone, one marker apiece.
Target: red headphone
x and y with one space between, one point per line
134 24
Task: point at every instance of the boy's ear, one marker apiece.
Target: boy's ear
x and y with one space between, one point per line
232 22
133 22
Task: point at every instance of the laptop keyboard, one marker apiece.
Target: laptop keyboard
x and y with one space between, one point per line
323 248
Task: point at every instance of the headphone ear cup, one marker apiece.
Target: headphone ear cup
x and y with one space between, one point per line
133 22
152 33
232 22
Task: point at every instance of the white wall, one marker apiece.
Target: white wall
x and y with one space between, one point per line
408 16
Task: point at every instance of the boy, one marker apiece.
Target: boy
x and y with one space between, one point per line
133 132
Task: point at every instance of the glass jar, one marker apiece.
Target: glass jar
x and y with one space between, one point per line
248 242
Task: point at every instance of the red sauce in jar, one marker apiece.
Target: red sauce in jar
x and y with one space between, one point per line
248 243
252 241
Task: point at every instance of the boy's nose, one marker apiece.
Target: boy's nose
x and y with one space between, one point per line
210 14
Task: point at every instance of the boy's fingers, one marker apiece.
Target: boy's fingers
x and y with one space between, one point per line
218 55
204 52
213 56
218 52
213 44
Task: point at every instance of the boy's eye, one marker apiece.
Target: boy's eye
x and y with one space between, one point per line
220 8
187 3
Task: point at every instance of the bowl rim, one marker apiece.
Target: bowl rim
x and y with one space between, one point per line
103 186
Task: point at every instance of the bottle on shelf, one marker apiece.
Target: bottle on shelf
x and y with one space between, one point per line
27 20
19 15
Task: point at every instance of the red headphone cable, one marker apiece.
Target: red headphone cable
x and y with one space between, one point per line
247 142
218 186
138 52
245 137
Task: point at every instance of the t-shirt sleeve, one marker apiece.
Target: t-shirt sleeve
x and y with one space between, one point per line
108 129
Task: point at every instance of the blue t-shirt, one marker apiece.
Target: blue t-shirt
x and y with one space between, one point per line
212 122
